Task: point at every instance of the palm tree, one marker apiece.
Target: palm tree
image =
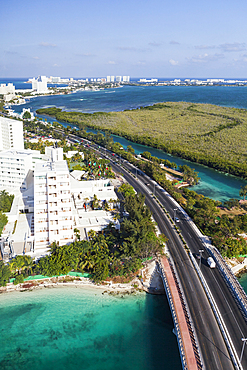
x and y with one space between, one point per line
92 234
77 234
88 262
243 191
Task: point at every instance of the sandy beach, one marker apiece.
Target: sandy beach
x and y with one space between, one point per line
149 282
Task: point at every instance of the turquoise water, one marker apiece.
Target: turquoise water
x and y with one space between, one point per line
70 328
213 184
243 282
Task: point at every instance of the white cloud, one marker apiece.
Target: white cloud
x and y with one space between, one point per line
235 46
203 47
111 62
85 55
47 44
173 62
154 43
174 42
131 48
36 58
205 58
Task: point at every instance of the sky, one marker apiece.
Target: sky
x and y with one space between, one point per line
139 38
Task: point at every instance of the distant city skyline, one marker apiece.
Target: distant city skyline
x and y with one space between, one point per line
203 39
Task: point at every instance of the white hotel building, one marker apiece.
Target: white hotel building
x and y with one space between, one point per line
53 218
16 168
11 134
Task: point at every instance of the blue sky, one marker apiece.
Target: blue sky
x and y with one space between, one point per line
140 38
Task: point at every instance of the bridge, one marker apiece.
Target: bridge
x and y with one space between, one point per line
215 301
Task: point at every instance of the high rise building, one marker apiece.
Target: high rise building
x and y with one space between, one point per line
7 89
11 134
118 78
53 218
108 78
126 78
40 85
16 168
112 78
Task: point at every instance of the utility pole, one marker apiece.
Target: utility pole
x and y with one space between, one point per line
242 352
201 251
174 216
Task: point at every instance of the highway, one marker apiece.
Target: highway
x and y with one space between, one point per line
234 321
213 349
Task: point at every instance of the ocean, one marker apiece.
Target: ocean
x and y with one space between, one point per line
77 327
66 328
213 184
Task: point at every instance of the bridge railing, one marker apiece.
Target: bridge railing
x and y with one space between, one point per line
174 317
232 282
188 318
219 319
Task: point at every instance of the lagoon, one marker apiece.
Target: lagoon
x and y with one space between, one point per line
213 184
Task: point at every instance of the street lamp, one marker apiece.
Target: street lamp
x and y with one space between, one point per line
201 251
175 209
242 352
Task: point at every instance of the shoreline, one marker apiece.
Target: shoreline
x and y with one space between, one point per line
150 283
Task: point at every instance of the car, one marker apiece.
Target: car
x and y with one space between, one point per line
197 255
147 183
177 219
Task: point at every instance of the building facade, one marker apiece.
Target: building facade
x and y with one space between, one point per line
53 217
11 134
16 168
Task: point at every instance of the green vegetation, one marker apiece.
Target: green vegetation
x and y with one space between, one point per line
5 274
27 115
5 206
5 201
111 252
243 191
107 254
203 133
204 211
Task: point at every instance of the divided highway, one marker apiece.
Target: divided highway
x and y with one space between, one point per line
213 348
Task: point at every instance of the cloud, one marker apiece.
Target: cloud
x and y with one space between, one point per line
139 63
174 42
85 55
154 43
111 62
131 48
47 45
10 52
206 58
55 65
203 47
226 47
236 46
36 58
173 62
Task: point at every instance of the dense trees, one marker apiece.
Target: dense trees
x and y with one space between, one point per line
5 201
189 175
198 132
111 252
5 205
5 274
243 191
26 115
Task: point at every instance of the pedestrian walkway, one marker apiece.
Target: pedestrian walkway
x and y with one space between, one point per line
192 363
